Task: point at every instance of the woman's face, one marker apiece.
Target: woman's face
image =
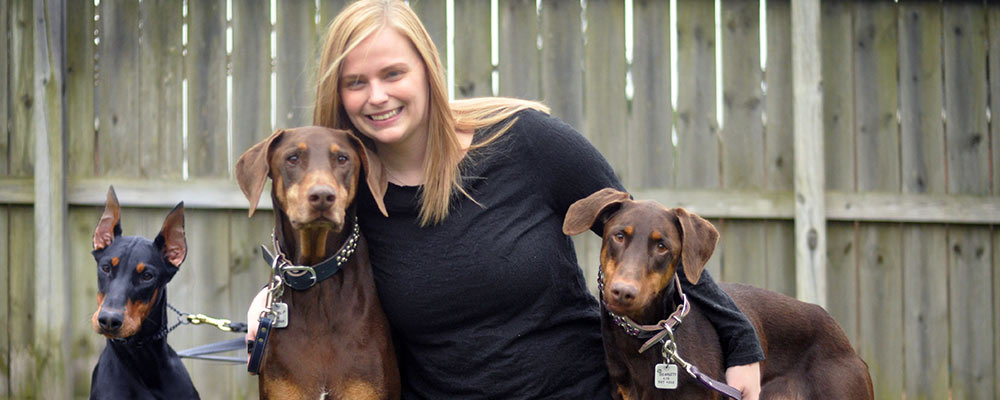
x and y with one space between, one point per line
383 87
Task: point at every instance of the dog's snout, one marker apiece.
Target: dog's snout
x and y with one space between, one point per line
110 321
321 197
624 293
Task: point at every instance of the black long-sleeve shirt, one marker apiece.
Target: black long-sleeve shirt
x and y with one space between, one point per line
491 302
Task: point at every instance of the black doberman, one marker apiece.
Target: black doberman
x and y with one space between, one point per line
132 274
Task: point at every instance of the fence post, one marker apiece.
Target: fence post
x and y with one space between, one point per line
810 215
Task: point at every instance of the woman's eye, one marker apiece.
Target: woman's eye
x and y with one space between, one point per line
353 84
393 74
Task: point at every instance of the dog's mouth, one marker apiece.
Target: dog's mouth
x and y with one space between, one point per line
329 221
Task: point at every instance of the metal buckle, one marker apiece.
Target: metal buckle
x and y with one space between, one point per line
300 270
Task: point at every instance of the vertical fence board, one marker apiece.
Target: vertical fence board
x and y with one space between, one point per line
295 63
562 68
5 281
205 67
80 116
604 86
247 273
993 21
5 79
697 129
779 156
972 362
251 75
473 76
161 71
520 60
434 15
23 357
328 10
925 294
742 137
877 133
651 161
22 69
838 120
118 90
86 345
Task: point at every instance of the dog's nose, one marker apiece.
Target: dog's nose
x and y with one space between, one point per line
624 293
110 321
321 197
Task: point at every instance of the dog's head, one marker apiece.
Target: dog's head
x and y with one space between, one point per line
314 173
132 270
643 245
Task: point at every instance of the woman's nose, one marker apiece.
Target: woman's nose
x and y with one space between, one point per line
378 94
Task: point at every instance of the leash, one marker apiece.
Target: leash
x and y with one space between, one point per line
200 352
665 374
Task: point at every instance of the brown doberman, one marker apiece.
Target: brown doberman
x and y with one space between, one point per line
337 342
808 355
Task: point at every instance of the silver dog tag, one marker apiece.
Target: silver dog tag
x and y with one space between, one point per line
281 315
665 376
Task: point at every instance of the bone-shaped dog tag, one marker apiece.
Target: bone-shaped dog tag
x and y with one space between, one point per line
280 315
665 376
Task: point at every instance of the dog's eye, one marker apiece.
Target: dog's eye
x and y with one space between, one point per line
341 159
292 159
105 268
662 247
146 276
620 236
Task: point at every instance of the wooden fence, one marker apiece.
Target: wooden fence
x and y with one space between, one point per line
854 165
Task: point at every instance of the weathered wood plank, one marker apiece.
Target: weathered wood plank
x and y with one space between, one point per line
161 69
295 63
810 223
562 50
247 273
118 90
473 76
924 246
5 86
5 292
993 21
201 285
328 10
86 345
251 75
651 161
742 136
80 134
697 164
434 15
205 69
23 367
972 362
604 87
878 168
838 144
779 156
21 143
519 58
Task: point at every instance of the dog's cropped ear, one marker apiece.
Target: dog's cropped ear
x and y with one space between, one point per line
171 240
700 238
374 174
110 226
585 212
253 168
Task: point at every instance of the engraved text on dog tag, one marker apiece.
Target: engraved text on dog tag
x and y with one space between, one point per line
665 376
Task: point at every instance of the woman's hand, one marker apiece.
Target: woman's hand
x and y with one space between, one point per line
745 378
253 316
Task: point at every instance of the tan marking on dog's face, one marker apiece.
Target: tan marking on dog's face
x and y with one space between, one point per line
302 146
114 261
140 267
93 320
334 148
135 313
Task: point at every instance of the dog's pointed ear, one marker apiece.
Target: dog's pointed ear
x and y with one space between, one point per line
374 174
253 168
585 212
698 244
170 240
110 226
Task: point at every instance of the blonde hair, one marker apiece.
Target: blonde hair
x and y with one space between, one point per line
444 152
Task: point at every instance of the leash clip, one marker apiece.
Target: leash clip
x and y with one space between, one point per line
222 324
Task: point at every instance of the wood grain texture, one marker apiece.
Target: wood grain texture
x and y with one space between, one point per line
696 125
80 133
295 63
118 148
779 155
161 70
205 70
562 52
604 87
651 150
519 56
474 74
251 70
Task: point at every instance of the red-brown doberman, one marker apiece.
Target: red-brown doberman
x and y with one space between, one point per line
808 354
337 342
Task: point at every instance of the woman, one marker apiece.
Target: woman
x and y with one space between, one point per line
482 289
